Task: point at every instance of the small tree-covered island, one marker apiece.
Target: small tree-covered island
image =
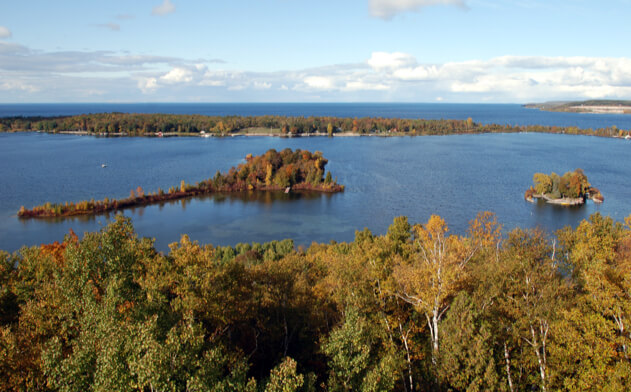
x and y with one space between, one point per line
298 170
571 189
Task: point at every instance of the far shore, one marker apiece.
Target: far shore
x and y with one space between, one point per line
172 125
592 106
289 135
232 134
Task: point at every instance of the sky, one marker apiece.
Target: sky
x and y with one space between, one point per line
464 51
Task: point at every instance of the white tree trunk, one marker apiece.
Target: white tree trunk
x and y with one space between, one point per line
404 338
540 358
508 375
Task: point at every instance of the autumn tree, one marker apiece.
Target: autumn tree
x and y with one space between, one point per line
528 292
429 278
543 183
593 346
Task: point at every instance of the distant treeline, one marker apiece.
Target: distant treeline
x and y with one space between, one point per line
152 124
272 171
416 309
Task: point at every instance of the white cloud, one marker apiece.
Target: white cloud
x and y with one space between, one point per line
72 76
262 85
212 83
15 57
147 85
358 85
178 75
319 82
386 9
423 72
164 9
18 85
384 60
4 32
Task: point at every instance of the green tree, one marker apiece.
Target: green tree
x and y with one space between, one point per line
284 378
358 360
543 183
468 359
328 179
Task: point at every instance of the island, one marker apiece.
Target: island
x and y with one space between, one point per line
288 170
164 125
571 189
601 106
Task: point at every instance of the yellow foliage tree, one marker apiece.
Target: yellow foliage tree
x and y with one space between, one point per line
430 277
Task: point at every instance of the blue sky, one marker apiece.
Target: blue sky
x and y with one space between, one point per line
314 51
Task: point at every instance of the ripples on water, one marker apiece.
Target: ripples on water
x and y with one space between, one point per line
453 176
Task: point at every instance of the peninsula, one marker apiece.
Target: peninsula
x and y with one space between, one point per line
571 189
273 171
601 106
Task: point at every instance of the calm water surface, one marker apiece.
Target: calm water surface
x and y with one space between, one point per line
453 176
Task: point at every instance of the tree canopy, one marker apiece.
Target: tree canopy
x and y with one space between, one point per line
416 309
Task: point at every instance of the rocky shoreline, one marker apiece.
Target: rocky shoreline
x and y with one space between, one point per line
566 201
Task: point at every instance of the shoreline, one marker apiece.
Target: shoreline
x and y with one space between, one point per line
564 202
307 135
239 134
273 171
151 199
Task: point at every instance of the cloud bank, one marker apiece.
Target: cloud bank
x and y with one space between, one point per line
386 9
28 75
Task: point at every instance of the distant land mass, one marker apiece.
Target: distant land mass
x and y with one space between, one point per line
604 106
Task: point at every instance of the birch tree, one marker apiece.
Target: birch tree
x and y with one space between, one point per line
531 295
430 276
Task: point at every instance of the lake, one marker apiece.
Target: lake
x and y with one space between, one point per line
452 176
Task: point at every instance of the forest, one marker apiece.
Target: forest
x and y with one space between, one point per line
571 186
415 309
132 124
298 170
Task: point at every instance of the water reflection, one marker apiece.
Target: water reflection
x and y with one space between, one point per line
552 217
259 197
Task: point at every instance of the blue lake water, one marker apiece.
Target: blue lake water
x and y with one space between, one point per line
453 176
